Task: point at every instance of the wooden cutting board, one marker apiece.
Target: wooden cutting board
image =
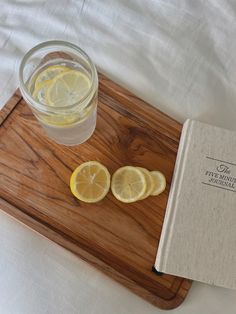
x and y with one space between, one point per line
119 239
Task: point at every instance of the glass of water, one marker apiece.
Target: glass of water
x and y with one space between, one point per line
59 82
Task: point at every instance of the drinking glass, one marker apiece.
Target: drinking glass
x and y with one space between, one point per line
65 104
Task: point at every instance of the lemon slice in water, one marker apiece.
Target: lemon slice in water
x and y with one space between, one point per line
49 73
39 93
67 88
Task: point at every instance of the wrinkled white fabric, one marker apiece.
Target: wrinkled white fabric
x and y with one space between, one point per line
177 55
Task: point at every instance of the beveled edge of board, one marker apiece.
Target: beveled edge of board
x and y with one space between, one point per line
10 106
68 243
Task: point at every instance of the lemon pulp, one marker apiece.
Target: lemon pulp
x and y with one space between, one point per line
159 182
128 184
149 182
90 182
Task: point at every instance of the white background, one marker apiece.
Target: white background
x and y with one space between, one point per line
177 55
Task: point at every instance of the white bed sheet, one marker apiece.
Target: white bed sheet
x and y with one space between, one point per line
177 55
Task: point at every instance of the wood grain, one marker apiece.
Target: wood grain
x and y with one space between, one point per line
119 239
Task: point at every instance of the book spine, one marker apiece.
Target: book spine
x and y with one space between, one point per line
169 219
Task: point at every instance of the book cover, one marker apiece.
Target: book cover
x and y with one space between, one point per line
198 239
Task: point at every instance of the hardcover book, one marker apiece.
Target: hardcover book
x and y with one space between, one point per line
198 239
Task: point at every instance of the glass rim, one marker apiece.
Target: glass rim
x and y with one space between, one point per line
51 43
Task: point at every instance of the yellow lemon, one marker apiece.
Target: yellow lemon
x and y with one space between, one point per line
90 182
39 93
149 182
67 88
49 73
128 184
159 182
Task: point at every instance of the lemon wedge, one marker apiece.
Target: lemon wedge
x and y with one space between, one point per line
67 88
49 73
128 184
149 182
90 182
159 182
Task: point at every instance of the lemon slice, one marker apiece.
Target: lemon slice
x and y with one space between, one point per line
128 184
49 73
67 88
159 182
149 182
90 182
39 93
